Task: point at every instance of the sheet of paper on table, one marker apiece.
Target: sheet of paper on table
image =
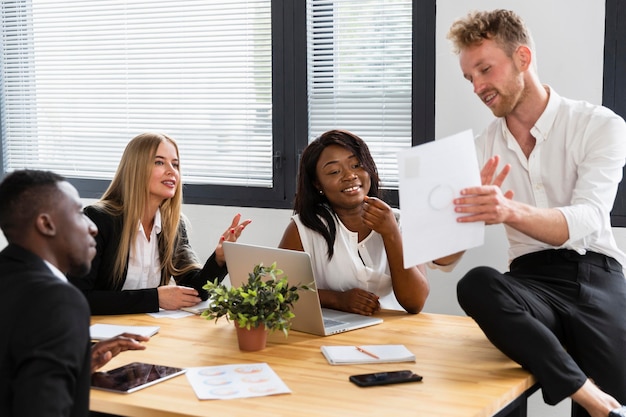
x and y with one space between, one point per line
224 382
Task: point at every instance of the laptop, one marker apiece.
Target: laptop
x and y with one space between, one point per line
310 317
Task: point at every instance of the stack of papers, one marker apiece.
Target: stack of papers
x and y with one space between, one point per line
101 331
346 355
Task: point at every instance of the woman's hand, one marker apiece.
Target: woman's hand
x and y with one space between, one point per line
174 297
231 235
355 300
378 216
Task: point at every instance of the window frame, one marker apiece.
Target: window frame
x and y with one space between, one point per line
290 123
614 84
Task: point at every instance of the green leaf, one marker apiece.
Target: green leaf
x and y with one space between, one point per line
267 297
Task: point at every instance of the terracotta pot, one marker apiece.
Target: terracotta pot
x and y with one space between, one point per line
253 339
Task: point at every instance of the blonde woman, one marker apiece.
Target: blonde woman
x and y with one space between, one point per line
142 242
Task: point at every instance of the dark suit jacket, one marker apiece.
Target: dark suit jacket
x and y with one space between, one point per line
45 349
105 297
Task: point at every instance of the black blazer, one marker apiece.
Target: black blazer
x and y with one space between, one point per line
105 297
45 349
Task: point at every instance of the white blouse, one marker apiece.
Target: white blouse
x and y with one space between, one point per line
144 266
354 264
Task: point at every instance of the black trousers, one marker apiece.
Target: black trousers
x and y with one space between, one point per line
560 315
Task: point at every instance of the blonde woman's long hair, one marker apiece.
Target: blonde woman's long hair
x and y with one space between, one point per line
127 196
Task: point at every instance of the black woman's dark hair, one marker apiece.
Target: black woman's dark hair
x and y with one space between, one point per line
312 206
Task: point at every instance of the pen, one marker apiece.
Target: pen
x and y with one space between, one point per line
360 349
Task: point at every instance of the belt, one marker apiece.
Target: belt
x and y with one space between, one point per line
555 255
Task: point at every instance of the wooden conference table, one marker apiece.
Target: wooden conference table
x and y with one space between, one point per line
464 374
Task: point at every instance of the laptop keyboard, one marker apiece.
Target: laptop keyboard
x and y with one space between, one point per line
331 322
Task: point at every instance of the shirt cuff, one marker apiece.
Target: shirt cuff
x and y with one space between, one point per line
444 268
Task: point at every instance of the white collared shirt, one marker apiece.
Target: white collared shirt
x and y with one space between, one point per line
144 267
56 271
575 167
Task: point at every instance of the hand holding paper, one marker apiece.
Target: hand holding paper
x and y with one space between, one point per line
431 176
486 203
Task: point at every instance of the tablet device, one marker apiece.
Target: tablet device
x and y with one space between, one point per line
132 377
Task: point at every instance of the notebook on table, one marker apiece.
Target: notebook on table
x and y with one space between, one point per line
310 317
350 355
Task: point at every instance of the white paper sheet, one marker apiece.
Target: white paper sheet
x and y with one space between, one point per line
170 314
101 331
431 176
225 382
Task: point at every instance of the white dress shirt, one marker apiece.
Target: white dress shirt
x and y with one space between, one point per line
575 167
144 266
56 271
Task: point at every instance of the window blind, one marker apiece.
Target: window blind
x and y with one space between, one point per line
359 75
80 78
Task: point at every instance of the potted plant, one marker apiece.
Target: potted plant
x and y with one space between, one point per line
262 304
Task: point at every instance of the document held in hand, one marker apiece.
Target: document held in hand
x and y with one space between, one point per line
347 355
432 175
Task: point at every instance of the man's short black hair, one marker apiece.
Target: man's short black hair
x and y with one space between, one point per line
23 195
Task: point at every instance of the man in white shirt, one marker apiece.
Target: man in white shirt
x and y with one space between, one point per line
559 310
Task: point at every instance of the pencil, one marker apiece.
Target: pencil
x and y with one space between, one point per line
360 349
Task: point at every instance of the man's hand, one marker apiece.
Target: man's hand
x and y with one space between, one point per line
486 203
489 170
105 350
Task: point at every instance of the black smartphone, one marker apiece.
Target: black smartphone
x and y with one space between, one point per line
384 378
